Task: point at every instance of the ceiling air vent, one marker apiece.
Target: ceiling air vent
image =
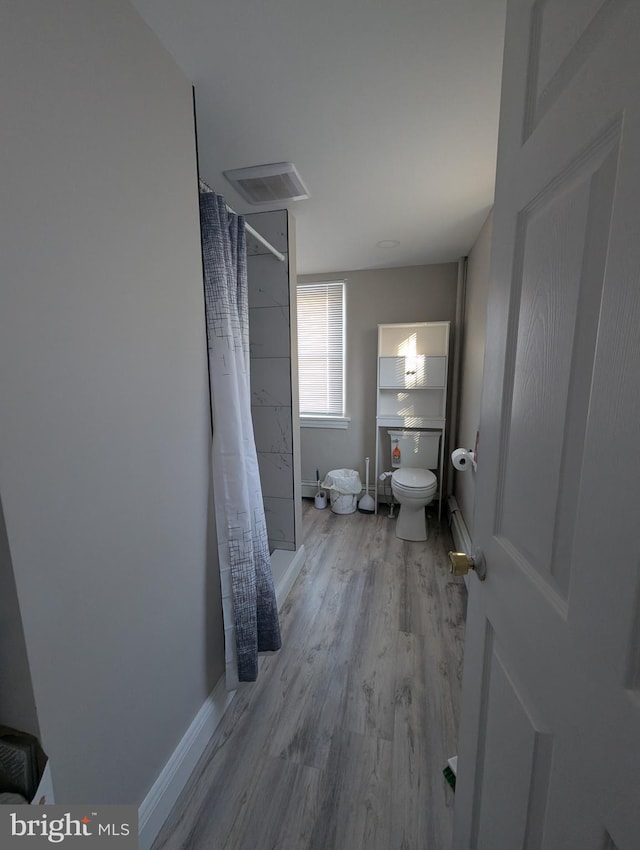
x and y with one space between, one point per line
268 184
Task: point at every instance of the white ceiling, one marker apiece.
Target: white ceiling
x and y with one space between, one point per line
388 108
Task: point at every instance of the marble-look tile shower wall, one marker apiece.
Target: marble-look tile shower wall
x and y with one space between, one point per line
271 394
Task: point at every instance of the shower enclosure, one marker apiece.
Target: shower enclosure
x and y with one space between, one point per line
274 389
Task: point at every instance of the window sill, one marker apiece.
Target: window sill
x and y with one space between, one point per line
339 422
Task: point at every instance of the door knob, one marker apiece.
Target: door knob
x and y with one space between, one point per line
460 563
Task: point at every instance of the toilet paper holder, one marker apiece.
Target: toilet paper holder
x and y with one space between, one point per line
463 458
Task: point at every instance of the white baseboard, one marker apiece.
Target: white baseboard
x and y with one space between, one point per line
285 566
156 806
165 791
309 489
459 531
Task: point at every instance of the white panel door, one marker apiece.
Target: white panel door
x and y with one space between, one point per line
549 748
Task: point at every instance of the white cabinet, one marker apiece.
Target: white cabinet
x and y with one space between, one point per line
412 372
412 384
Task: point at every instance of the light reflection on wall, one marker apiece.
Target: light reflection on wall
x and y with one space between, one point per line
408 346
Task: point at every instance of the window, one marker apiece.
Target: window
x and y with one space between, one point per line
321 321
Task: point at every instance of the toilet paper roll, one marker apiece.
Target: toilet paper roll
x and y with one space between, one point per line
462 459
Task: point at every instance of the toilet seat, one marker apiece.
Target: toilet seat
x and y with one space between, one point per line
414 481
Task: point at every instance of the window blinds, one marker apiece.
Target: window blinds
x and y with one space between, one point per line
321 348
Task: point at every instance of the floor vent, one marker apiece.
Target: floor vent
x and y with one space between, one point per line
268 184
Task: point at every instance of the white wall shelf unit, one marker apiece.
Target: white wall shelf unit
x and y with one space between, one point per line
412 387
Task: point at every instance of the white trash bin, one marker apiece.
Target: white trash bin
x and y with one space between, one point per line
344 487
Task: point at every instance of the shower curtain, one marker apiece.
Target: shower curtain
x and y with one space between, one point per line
250 611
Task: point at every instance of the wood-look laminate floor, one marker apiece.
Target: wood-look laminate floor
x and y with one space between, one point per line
341 743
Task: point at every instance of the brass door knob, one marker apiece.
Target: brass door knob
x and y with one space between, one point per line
460 563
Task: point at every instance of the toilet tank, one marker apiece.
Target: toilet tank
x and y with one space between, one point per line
415 449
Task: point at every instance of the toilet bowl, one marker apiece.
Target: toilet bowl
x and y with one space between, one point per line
414 453
413 489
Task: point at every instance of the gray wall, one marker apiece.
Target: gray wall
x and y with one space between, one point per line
274 375
473 340
104 422
408 294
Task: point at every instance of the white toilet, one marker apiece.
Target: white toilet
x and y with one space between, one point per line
413 455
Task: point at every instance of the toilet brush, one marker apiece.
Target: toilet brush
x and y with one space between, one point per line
320 500
366 505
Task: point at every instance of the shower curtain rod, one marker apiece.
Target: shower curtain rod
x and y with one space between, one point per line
257 236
